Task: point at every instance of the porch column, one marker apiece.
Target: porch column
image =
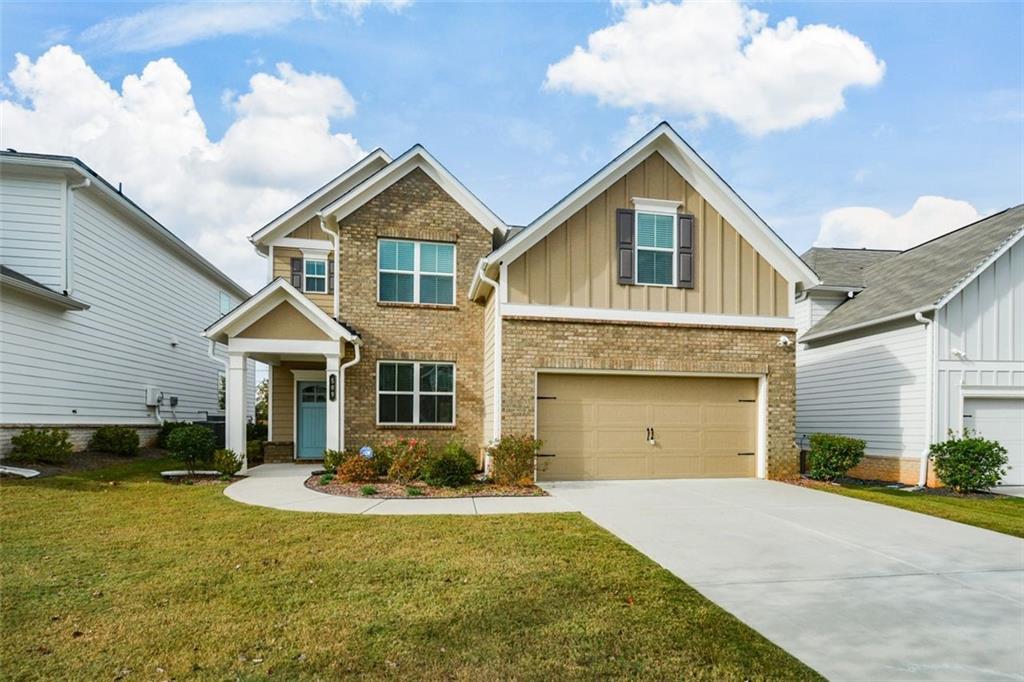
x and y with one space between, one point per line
235 404
334 401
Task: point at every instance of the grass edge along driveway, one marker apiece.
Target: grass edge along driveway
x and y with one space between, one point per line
1002 513
115 574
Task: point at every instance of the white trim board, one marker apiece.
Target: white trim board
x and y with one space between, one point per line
613 315
697 173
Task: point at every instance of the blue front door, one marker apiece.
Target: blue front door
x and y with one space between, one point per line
312 420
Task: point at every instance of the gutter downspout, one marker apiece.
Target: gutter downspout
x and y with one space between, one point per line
335 239
69 231
922 479
341 380
496 428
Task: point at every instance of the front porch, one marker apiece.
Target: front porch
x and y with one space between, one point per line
307 352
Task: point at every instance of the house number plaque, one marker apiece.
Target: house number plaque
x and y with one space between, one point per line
332 387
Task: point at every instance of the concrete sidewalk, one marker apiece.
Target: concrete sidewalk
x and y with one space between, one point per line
281 486
857 590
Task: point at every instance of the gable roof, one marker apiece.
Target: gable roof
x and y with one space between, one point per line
689 164
269 297
844 267
925 277
308 207
107 191
416 157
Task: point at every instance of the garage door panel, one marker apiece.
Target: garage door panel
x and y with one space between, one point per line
596 426
1002 420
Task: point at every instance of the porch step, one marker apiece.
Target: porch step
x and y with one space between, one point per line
278 452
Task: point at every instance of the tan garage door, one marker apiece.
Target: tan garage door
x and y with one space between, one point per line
597 426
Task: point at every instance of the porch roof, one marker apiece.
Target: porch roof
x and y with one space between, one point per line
267 299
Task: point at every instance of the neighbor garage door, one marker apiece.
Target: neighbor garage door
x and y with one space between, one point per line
597 426
1000 419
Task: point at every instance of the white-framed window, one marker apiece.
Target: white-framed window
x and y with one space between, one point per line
415 272
413 393
655 248
314 275
225 304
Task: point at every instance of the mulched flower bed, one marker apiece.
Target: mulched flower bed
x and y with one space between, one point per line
910 490
200 480
387 490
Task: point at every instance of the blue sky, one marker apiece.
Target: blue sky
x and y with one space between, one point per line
943 118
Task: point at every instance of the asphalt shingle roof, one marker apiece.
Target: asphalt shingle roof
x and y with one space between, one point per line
844 267
922 276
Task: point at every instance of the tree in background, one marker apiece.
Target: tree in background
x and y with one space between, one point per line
262 394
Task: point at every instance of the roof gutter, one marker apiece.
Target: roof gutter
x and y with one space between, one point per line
44 293
929 396
861 325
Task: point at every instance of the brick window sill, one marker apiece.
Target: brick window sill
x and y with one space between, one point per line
418 306
416 427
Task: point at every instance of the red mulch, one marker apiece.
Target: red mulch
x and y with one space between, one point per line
389 490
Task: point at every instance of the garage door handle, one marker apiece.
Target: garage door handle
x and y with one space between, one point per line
746 454
539 454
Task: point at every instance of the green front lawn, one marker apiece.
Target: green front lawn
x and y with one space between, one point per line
114 574
999 513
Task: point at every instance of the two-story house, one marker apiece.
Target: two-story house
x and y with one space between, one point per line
642 327
99 307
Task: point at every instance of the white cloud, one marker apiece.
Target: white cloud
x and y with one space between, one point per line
703 59
212 193
167 26
866 227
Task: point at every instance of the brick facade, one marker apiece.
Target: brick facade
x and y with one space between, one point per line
534 344
415 207
896 469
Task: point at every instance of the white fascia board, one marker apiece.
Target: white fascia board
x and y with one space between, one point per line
416 157
44 293
985 265
369 164
148 222
864 325
658 317
308 244
695 171
278 291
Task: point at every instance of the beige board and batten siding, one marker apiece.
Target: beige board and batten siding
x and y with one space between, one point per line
575 265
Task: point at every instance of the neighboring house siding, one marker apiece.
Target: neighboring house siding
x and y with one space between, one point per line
93 366
814 307
488 369
576 264
870 387
985 322
32 212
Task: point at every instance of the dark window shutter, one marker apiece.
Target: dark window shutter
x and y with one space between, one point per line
297 273
330 273
687 251
624 243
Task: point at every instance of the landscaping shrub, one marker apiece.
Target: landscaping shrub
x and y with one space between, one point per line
326 478
255 431
833 455
512 460
226 462
333 458
451 467
41 445
969 462
117 440
192 444
409 455
166 429
356 469
381 458
368 490
254 450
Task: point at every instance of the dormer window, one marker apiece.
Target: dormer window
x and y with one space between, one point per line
315 270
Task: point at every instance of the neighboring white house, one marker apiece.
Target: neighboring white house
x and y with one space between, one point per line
101 307
898 348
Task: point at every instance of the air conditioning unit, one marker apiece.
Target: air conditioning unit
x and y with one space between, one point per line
154 397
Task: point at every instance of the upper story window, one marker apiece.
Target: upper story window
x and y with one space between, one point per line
315 271
225 303
655 248
415 272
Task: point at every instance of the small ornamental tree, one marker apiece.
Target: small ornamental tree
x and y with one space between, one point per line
192 444
833 455
969 462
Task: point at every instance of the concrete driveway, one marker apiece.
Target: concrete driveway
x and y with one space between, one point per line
857 590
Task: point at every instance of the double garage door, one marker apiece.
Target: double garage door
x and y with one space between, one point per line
613 426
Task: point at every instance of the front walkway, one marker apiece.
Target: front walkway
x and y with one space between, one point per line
281 486
857 590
